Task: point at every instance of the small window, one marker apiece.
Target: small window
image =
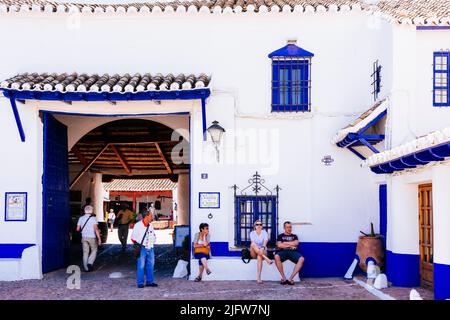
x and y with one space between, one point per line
376 80
291 79
441 85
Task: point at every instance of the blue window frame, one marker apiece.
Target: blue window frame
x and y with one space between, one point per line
441 84
252 208
291 84
291 78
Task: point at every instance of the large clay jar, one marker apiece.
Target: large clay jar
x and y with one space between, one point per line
370 247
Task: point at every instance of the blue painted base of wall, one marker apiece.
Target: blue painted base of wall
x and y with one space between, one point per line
403 270
441 281
13 250
322 259
221 249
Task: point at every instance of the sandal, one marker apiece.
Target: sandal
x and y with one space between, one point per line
283 282
208 272
198 279
259 281
290 282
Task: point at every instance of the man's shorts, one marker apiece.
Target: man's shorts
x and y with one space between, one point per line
292 255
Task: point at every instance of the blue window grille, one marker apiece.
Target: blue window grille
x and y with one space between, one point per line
441 84
376 80
291 79
255 202
252 208
291 86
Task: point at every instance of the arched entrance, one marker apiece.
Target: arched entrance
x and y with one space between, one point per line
127 149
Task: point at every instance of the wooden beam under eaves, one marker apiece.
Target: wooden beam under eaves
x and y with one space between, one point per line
122 160
87 166
79 155
163 158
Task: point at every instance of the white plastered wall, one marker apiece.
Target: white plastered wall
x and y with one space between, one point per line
233 49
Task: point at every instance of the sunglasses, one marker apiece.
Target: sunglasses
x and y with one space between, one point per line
258 224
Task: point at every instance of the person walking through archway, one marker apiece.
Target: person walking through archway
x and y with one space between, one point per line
124 217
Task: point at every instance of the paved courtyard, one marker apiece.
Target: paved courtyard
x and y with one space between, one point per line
98 285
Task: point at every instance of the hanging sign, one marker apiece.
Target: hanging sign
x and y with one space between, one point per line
209 200
15 206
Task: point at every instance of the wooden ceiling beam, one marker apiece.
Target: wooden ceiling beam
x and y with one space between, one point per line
163 158
79 155
121 159
87 166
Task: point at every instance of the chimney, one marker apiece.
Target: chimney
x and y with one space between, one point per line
292 41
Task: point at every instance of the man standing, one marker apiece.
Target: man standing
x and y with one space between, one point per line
144 236
287 244
124 217
90 237
111 219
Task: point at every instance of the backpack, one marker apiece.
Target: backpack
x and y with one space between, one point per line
245 255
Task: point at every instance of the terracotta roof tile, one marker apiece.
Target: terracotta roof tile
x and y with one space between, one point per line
400 11
104 83
140 185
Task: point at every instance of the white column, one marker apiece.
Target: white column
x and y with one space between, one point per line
441 213
403 217
183 199
402 264
441 230
97 199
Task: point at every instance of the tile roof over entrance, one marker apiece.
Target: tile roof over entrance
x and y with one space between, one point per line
362 121
433 147
74 82
401 11
140 185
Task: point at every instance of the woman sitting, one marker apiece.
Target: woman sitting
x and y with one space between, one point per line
202 249
258 247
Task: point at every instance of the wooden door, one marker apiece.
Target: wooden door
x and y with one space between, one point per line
426 234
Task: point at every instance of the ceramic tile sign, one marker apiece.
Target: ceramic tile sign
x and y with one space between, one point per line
15 206
209 200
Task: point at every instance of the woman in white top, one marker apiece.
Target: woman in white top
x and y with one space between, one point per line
258 247
202 249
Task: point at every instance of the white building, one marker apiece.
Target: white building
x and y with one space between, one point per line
282 80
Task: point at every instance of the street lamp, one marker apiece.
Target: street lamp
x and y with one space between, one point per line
216 131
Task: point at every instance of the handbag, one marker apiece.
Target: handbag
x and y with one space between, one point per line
245 255
204 250
137 247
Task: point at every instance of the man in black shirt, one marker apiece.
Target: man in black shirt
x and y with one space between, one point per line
287 244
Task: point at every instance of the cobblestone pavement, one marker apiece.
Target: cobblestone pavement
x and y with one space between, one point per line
98 285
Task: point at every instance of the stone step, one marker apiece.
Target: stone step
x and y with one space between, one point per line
232 268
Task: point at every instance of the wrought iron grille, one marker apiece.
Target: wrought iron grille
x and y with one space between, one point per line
376 80
291 84
255 202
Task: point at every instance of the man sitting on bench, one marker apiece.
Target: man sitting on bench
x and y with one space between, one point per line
287 244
